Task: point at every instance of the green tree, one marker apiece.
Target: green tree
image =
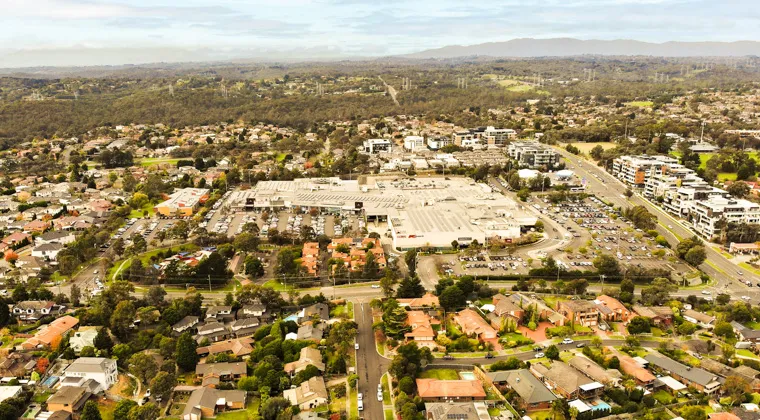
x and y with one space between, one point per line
103 340
143 366
694 412
275 408
607 264
639 325
452 298
122 318
162 384
724 329
186 358
736 387
552 352
410 287
696 255
394 319
90 411
123 407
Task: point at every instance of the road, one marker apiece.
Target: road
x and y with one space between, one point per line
391 90
370 365
611 189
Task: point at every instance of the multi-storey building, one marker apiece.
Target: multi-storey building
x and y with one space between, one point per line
533 154
373 146
634 170
490 136
707 214
414 143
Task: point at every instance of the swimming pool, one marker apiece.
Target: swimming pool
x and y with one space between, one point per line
601 406
469 376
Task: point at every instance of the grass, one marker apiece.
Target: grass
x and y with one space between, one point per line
337 405
657 332
663 397
540 415
106 409
41 398
727 176
585 148
750 268
157 161
251 412
640 104
354 409
139 214
440 374
276 285
380 348
755 398
386 390
753 324
746 353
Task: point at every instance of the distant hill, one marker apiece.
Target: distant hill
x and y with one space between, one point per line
558 47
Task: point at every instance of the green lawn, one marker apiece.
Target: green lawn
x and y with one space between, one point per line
388 414
541 415
663 397
386 390
276 285
139 214
441 374
251 412
746 353
156 161
755 398
727 176
752 324
41 398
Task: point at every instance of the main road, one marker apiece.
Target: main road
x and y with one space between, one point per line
611 189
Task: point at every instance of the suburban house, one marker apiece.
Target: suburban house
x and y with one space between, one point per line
240 347
745 333
504 308
533 393
457 411
214 331
212 374
245 327
421 329
319 310
187 323
309 395
567 381
83 337
56 237
219 313
255 309
428 300
580 312
310 332
703 320
607 377
659 315
49 336
47 251
99 369
543 310
11 391
207 402
308 356
718 368
611 309
633 368
17 365
32 310
436 390
69 398
472 324
700 379
36 226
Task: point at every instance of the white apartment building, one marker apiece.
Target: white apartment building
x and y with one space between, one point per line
412 143
101 370
533 154
489 136
373 146
436 143
707 214
634 170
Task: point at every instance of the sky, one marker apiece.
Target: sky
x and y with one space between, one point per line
47 30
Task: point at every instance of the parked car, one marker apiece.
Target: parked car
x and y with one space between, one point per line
580 345
380 396
489 355
540 355
567 341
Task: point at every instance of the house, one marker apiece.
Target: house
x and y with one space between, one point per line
543 311
245 327
700 379
718 368
83 337
318 310
659 315
580 312
256 309
9 392
504 308
36 226
310 257
99 369
219 313
473 324
611 309
436 390
16 239
240 347
309 356
47 251
213 373
56 237
49 336
214 331
309 395
421 329
534 394
607 377
428 300
458 411
69 398
17 365
187 323
703 320
567 381
207 402
745 333
310 332
633 368
30 311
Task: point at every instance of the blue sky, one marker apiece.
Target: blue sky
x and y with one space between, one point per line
360 27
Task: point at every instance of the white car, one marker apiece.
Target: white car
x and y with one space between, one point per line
356 346
745 297
375 286
380 396
379 388
567 341
706 292
539 355
360 396
361 405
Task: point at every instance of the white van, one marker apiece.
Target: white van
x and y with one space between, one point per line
361 405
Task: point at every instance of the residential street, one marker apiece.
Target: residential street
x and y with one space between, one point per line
371 366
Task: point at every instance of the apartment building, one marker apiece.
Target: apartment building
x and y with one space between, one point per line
414 143
533 154
580 312
373 146
435 143
489 136
634 170
707 215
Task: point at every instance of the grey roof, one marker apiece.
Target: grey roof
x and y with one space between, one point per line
211 327
186 321
745 331
70 395
49 247
458 411
695 375
564 376
246 323
221 369
89 364
310 332
320 309
527 386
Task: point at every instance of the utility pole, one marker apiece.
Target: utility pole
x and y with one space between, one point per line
209 282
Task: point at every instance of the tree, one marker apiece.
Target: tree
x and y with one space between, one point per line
410 257
90 411
724 329
123 407
143 366
596 152
696 256
738 189
162 384
639 325
186 358
149 411
122 318
658 292
406 385
452 298
371 267
87 351
552 352
275 407
607 265
155 296
387 282
694 412
254 267
629 193
75 294
409 360
410 287
394 319
736 387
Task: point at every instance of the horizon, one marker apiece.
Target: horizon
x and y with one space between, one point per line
107 32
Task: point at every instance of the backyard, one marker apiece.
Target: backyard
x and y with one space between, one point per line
441 374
